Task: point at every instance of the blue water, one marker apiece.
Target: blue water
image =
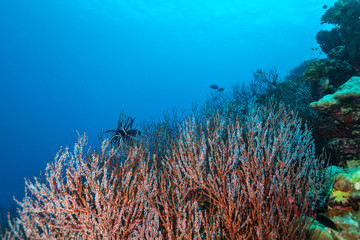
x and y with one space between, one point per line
68 65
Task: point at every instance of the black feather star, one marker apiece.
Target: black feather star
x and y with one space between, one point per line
124 131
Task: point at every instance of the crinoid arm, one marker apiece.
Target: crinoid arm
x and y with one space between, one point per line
134 132
124 131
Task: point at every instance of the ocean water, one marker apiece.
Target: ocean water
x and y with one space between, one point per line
75 65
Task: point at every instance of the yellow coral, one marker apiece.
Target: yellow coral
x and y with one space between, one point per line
340 197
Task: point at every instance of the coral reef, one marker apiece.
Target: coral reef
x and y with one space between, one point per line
345 16
346 98
341 124
344 202
343 206
341 120
238 169
341 45
220 179
337 71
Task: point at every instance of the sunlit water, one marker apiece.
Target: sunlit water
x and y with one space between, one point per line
75 65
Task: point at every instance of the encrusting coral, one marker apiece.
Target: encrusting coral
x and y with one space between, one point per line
341 120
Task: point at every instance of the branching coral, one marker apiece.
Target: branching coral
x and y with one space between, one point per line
242 176
80 198
218 180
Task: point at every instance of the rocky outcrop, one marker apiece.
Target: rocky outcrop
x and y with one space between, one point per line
341 114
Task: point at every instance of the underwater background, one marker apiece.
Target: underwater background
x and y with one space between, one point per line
75 65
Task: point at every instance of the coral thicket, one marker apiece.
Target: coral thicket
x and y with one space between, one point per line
251 178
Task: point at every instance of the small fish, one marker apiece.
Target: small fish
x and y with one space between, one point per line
325 6
324 83
291 200
214 86
221 89
326 221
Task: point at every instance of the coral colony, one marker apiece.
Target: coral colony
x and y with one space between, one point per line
270 159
